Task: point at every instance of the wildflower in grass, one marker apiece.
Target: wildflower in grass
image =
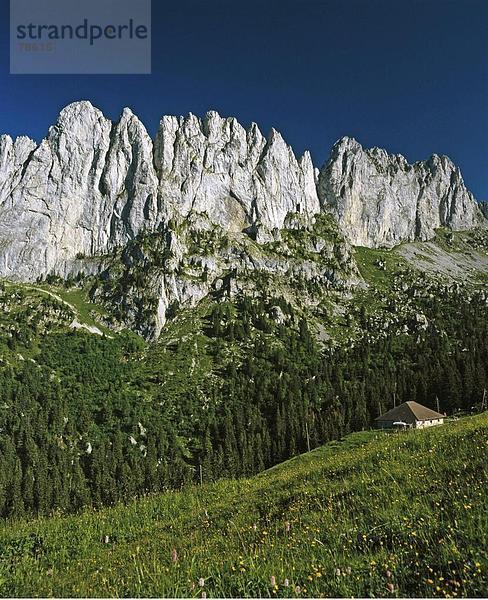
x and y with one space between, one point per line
390 587
174 555
388 574
286 583
287 526
298 589
254 526
201 582
204 595
273 580
338 572
348 570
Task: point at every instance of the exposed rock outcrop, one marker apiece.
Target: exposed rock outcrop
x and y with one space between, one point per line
236 177
92 185
90 192
85 189
381 200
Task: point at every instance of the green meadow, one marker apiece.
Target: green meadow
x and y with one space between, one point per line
372 515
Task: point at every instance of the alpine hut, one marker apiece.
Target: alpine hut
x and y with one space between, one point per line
409 415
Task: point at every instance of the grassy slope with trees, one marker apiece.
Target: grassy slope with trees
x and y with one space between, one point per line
232 387
373 514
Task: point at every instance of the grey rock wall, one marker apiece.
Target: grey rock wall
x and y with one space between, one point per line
93 185
381 200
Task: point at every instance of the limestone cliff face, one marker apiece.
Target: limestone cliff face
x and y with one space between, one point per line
92 185
86 188
235 176
381 200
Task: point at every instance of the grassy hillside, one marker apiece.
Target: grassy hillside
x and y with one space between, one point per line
375 514
90 416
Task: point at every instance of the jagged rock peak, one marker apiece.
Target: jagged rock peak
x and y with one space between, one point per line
92 185
233 175
346 143
89 186
79 108
379 199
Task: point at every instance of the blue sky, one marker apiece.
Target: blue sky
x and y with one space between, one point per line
409 76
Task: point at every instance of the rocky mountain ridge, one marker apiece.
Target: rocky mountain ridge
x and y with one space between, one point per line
207 205
92 185
380 199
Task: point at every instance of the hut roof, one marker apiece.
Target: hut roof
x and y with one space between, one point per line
410 412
